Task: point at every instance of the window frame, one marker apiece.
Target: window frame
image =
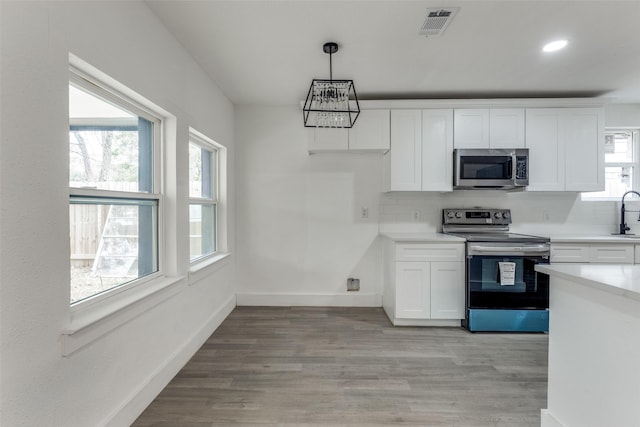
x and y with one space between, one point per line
634 164
200 140
100 89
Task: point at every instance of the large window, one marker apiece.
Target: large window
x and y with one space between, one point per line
621 165
114 189
203 196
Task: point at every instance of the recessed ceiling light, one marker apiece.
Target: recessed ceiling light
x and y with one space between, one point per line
554 45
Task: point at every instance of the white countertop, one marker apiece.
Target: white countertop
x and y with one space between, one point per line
425 237
620 279
595 238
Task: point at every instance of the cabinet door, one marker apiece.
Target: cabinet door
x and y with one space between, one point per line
328 140
429 252
413 290
546 149
471 128
611 254
584 149
405 155
506 128
568 252
437 150
371 131
447 290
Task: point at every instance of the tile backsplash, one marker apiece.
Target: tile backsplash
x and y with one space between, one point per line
535 213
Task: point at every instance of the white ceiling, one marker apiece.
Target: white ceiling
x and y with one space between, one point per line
267 52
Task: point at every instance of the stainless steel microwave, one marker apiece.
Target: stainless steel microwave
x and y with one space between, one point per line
490 169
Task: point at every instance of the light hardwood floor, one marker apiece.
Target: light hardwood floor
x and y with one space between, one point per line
351 367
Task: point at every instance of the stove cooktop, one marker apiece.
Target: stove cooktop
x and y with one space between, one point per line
484 225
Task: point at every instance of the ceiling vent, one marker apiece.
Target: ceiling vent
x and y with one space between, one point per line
437 21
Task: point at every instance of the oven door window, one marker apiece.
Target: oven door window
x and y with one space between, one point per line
516 285
486 167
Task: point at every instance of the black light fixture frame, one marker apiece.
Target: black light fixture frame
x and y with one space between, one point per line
330 48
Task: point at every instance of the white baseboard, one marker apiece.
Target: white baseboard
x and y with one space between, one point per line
547 420
427 322
354 299
126 413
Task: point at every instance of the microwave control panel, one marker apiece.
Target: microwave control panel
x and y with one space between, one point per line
522 168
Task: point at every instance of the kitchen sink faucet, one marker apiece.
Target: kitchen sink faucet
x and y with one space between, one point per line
623 225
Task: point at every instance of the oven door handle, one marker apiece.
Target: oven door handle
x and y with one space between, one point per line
478 249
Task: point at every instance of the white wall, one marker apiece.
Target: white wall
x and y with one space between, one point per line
300 235
545 214
111 380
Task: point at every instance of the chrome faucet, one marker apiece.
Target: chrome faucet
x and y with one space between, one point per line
623 225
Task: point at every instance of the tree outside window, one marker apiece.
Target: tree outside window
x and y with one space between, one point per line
113 209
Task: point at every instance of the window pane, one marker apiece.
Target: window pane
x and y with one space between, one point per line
195 170
618 180
618 147
202 239
202 162
109 147
112 243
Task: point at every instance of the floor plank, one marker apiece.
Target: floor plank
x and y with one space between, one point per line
310 366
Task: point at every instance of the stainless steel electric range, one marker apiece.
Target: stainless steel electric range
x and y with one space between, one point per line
504 293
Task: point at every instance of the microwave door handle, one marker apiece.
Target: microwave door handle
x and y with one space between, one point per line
514 166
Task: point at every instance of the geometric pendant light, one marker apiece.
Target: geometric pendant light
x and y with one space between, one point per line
331 103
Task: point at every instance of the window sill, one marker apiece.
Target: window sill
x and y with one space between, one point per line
600 199
201 269
90 322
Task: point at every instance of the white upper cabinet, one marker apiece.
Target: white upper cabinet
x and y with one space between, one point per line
584 149
370 134
471 128
566 149
506 128
421 154
489 128
437 150
403 163
546 149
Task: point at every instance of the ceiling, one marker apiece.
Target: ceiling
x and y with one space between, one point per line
267 52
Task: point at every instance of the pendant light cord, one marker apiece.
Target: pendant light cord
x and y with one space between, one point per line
330 66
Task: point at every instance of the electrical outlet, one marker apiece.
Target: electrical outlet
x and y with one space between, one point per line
353 284
415 216
364 213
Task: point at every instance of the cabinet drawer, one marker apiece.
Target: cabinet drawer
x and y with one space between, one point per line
429 252
615 254
569 253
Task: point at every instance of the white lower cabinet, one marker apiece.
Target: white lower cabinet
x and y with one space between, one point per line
425 284
413 285
428 290
606 253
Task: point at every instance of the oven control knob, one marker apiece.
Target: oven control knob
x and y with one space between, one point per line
505 215
458 215
450 214
497 215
